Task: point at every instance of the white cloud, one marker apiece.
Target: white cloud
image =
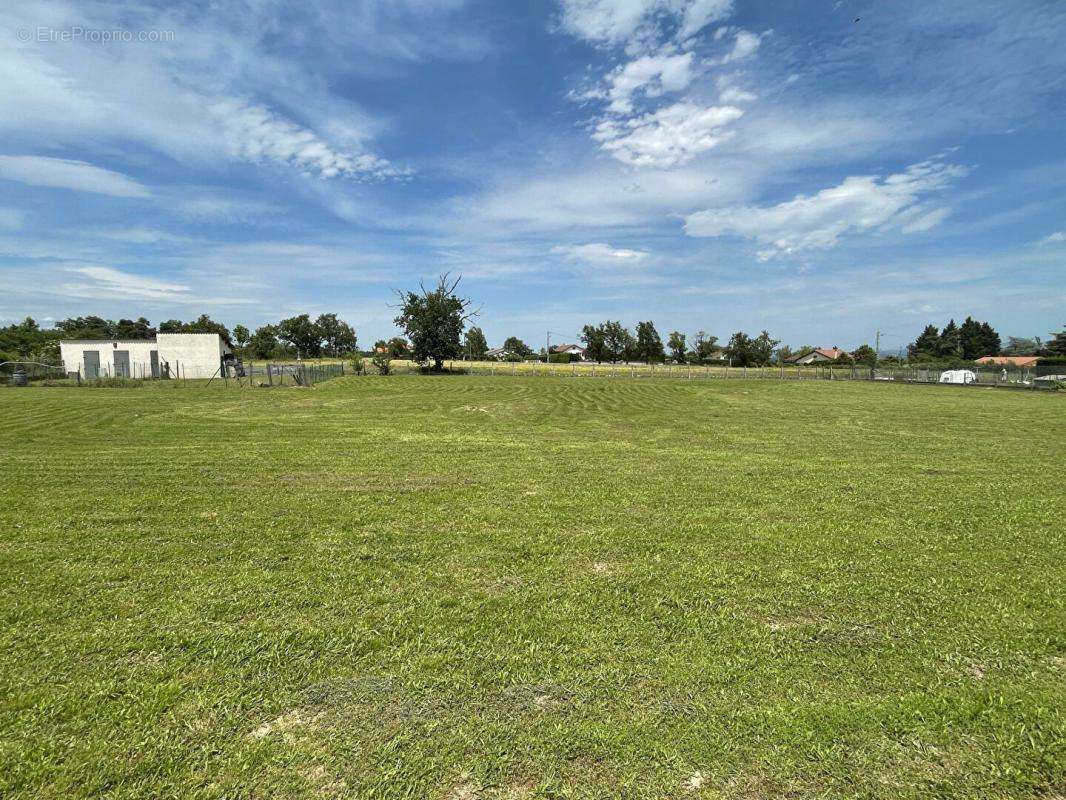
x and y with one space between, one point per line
601 254
668 137
700 13
254 133
66 174
744 45
611 22
1056 238
10 218
108 282
140 236
225 210
187 99
859 203
651 75
925 220
733 95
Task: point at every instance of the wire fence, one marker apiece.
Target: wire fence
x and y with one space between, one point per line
1024 378
264 374
247 374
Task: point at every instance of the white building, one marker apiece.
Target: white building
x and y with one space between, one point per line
168 355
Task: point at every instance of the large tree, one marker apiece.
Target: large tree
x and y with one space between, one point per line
616 340
434 320
745 351
649 343
677 346
513 344
703 346
978 339
1021 346
302 335
27 341
204 324
140 328
950 344
241 336
90 327
866 355
475 344
337 337
595 342
926 345
264 342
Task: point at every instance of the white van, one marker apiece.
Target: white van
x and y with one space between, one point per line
958 376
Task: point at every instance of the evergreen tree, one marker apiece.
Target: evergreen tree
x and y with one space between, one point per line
926 345
950 343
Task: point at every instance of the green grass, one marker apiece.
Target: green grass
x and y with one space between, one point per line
476 587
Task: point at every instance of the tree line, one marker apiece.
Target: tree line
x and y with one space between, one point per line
434 322
326 335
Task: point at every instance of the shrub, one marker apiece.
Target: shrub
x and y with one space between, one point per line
114 383
559 358
358 364
382 363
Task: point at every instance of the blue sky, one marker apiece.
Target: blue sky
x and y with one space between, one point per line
820 169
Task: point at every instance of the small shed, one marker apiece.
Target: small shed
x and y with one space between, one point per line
166 355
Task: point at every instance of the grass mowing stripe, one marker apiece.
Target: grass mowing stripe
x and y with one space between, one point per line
544 587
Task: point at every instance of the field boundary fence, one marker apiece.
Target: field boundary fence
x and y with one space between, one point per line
1018 378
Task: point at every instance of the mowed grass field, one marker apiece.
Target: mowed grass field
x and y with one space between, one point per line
475 587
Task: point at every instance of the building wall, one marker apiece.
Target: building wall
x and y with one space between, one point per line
194 355
189 355
72 352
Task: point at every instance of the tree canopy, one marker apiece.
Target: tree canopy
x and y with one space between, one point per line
475 345
745 351
434 320
649 344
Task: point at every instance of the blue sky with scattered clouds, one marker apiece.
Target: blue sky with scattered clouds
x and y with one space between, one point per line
820 169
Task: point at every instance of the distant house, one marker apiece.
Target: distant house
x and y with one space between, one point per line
1009 361
498 354
819 355
575 351
165 355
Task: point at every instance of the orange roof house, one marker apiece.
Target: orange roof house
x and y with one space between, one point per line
818 355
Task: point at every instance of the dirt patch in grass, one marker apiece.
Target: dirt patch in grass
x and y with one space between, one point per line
286 723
